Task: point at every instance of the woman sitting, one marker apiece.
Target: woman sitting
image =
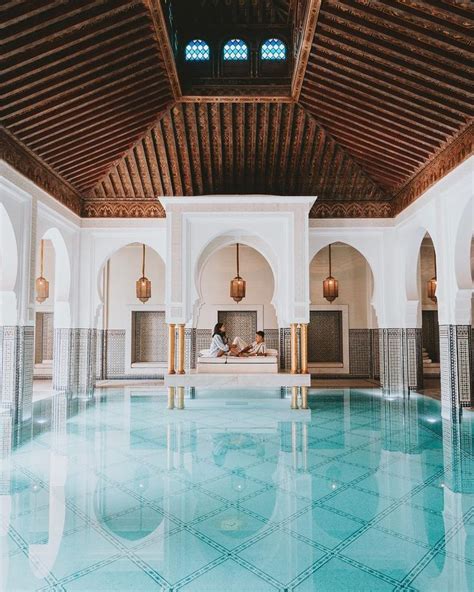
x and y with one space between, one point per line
219 346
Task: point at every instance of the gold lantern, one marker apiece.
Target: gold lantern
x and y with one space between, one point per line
237 285
143 283
330 284
432 284
42 284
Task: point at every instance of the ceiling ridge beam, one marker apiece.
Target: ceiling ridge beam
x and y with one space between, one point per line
162 40
301 62
26 162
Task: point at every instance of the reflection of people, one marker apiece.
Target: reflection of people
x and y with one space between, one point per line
219 346
242 349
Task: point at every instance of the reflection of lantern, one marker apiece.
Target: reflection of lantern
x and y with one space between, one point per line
237 285
330 284
42 284
143 284
432 284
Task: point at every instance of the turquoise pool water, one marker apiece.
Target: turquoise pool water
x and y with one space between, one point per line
237 493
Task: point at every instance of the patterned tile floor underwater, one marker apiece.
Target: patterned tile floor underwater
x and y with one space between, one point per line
237 493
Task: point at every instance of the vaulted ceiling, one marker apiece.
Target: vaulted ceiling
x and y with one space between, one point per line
380 105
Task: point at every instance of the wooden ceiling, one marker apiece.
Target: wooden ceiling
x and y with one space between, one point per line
80 81
202 148
380 107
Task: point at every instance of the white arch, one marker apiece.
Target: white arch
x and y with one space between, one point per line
8 269
62 274
231 237
363 252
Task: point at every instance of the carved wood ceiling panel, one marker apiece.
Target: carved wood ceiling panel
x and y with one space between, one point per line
391 81
80 81
205 148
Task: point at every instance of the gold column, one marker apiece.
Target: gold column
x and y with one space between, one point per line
171 393
181 349
171 347
294 397
304 348
294 347
304 397
180 397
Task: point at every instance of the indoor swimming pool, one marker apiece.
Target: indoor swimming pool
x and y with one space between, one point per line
237 492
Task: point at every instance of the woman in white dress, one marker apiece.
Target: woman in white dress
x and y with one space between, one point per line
219 346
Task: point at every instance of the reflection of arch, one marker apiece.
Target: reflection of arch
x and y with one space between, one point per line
231 237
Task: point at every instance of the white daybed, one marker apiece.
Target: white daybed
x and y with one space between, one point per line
235 365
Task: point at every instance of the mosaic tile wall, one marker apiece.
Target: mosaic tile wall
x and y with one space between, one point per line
325 336
239 324
16 369
150 337
360 352
456 365
74 360
203 339
190 348
44 336
285 349
401 360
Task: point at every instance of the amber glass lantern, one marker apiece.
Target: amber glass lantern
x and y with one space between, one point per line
143 283
432 284
330 284
237 285
42 284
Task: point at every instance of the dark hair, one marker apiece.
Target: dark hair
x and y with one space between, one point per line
217 331
261 333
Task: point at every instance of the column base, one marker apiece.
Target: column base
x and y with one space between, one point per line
401 359
456 368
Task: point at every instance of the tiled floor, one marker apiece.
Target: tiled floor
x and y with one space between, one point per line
235 493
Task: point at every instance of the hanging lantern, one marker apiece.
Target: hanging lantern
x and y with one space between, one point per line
42 284
237 285
432 284
330 284
143 284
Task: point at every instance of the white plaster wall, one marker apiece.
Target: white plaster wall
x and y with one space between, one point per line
124 269
216 275
352 271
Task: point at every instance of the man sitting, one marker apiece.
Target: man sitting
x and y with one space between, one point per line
240 348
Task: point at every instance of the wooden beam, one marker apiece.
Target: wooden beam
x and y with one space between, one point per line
304 50
162 39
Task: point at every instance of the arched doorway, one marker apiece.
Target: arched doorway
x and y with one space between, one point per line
8 270
132 335
254 312
342 333
427 296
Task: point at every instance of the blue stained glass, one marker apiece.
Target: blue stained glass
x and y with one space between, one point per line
273 49
197 50
236 49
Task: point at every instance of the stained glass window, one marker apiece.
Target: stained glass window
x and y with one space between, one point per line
236 49
197 50
273 49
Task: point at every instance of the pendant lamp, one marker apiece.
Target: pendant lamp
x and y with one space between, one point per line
237 285
330 284
42 284
143 283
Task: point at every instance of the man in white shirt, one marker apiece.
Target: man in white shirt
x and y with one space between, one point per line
257 348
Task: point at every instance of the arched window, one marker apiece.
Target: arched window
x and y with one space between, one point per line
273 49
197 50
236 50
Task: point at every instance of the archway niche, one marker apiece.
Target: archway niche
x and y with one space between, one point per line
255 312
426 272
343 334
132 335
44 313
